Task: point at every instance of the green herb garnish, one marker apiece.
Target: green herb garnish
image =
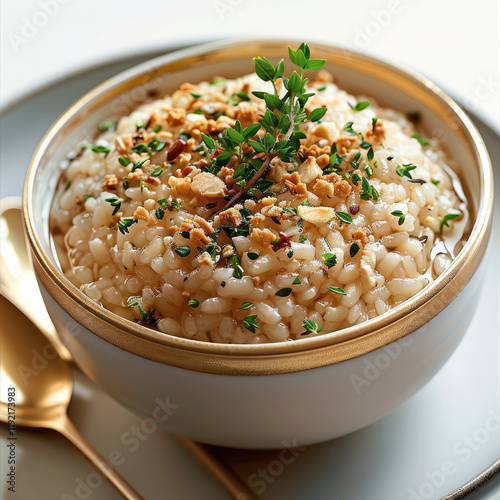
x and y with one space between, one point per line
311 327
401 215
98 149
446 218
336 289
360 106
284 292
193 303
250 323
330 259
183 251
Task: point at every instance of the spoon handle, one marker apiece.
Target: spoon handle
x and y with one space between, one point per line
69 431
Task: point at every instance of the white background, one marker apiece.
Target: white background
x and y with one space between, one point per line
455 42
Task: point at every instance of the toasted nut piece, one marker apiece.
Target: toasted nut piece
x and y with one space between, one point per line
110 182
154 181
269 200
176 116
263 236
328 131
227 251
324 76
231 217
205 260
203 224
198 234
246 114
309 170
141 214
316 215
323 161
180 185
323 188
342 189
209 185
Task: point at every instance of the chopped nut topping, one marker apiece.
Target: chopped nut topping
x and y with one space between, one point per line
198 234
231 217
176 117
323 188
154 181
262 236
209 185
316 215
110 182
141 214
180 185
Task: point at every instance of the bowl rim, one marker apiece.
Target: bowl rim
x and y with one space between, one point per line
280 357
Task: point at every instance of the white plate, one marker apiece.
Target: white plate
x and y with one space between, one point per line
436 441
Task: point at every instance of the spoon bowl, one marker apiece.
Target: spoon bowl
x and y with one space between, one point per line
41 378
40 382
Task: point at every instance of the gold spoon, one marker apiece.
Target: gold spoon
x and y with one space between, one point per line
16 276
42 391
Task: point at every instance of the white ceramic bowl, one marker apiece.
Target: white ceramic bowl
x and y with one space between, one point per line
269 395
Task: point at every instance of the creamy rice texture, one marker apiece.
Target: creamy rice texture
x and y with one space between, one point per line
328 241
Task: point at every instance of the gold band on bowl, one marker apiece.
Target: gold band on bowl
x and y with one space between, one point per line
282 357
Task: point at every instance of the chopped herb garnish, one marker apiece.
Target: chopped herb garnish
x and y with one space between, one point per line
253 255
157 172
436 183
98 149
353 250
195 95
156 145
115 202
87 196
374 123
284 292
193 303
157 129
68 185
311 327
296 281
368 191
139 164
320 89
246 305
139 124
124 161
183 251
401 215
160 213
421 139
360 106
184 234
306 203
107 125
330 259
250 323
302 239
336 289
370 154
125 223
445 220
404 171
344 217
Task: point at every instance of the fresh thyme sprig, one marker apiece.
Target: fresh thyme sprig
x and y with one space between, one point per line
280 123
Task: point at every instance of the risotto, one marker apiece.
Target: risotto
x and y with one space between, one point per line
155 220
